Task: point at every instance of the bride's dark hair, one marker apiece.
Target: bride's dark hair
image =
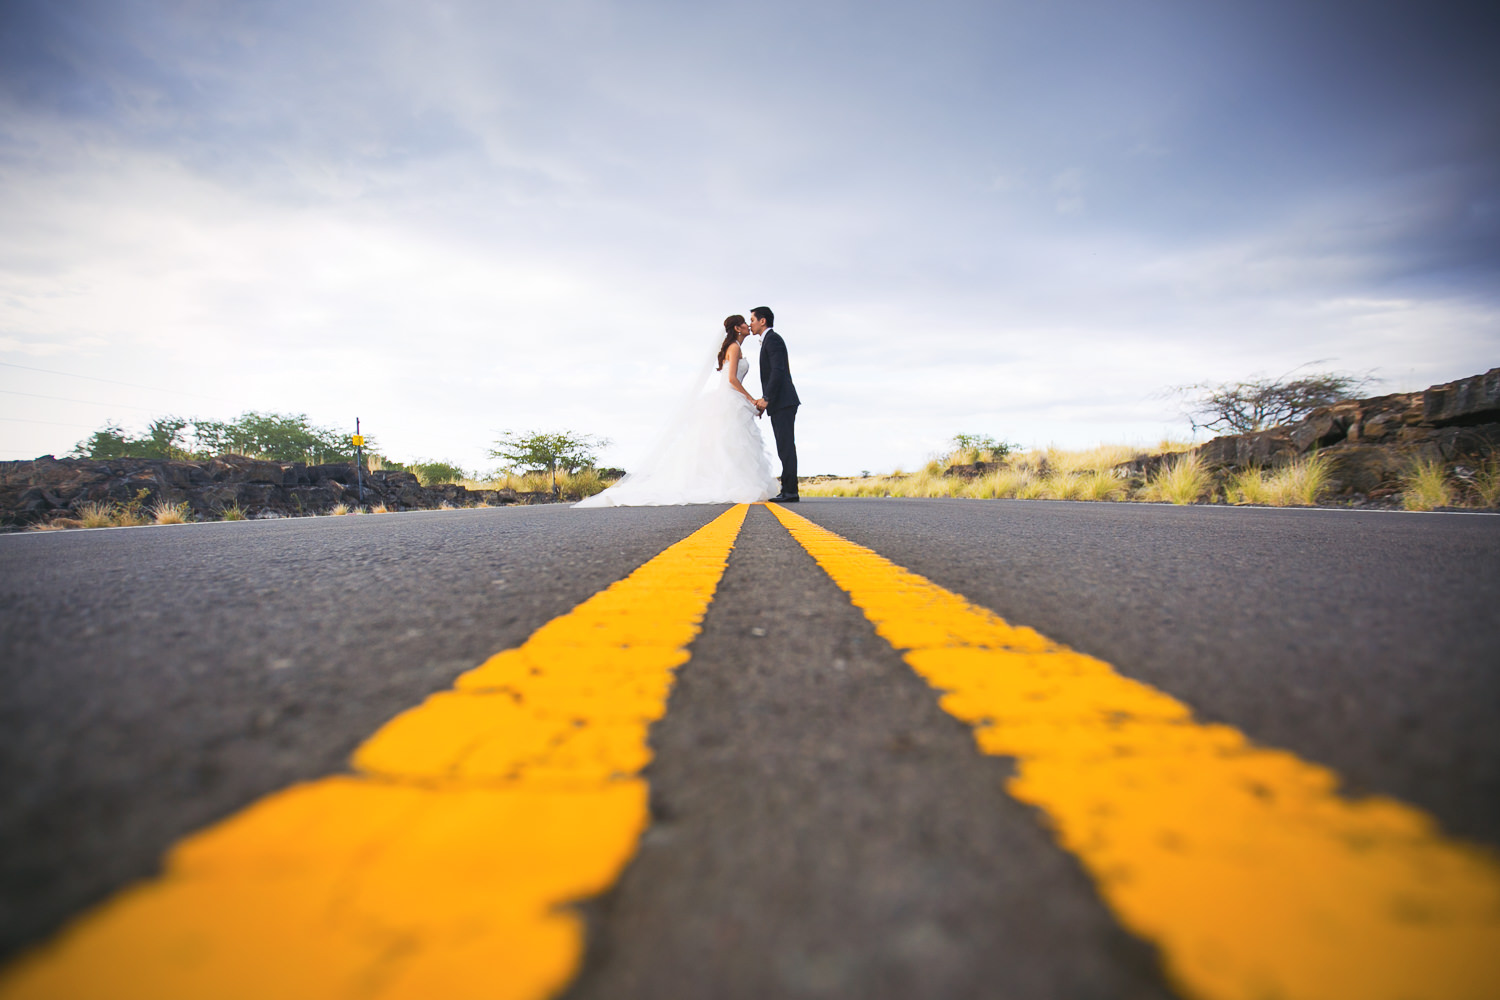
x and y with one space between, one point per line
731 334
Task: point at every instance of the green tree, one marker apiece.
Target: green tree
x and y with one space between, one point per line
163 439
542 451
1262 403
111 442
973 448
429 473
279 437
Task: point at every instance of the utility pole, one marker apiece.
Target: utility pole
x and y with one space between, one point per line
359 460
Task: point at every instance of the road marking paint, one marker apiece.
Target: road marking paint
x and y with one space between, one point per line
1244 865
440 868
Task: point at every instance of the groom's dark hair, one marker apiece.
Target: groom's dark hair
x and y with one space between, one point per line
765 313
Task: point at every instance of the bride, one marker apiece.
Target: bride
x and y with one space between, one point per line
713 452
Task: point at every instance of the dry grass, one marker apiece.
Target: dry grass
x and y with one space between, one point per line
1487 482
1032 488
95 514
928 483
1065 486
56 525
1089 474
1250 486
1101 486
1182 481
339 509
1049 473
995 485
583 483
171 513
380 508
1302 483
234 512
1427 486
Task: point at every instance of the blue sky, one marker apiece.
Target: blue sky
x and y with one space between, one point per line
454 219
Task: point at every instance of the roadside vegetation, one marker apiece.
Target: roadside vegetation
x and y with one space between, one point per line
555 464
1179 478
562 464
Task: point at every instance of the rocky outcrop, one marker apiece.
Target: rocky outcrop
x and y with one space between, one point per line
47 487
1371 443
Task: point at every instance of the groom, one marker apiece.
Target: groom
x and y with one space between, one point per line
780 399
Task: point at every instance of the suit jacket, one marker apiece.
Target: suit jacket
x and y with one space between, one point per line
776 373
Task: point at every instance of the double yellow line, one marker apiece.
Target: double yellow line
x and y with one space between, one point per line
444 865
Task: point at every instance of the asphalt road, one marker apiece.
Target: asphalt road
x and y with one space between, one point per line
820 827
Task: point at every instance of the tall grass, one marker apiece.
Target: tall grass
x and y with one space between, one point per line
1487 482
1181 481
1089 474
95 514
1302 483
1426 486
998 485
171 513
1100 486
583 483
1250 485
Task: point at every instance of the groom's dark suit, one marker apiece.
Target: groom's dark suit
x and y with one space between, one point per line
781 405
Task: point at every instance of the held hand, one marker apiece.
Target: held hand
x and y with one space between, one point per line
760 404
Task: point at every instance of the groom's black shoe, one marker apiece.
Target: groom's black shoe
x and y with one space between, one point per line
784 498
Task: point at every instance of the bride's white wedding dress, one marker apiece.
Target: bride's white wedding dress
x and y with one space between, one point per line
713 454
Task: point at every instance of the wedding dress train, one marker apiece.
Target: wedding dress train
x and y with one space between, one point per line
712 454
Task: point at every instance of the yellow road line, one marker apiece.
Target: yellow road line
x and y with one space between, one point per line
1244 865
440 869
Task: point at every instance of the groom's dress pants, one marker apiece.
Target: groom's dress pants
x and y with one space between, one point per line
782 422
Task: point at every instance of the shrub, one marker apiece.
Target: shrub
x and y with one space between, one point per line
1301 483
1487 482
1000 484
583 483
234 512
95 514
552 452
275 436
432 473
1031 488
339 509
132 513
1065 486
1249 486
1100 486
971 448
1426 486
1102 458
171 513
1181 482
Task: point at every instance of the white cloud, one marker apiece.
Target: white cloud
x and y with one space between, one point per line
484 218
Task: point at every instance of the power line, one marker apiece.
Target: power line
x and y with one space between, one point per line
85 402
50 423
110 381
